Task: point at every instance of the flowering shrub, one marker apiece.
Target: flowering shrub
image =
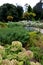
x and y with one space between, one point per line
15 54
16 46
29 54
25 55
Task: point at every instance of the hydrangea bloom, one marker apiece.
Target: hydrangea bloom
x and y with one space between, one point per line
25 55
16 45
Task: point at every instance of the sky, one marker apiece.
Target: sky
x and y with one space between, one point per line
20 2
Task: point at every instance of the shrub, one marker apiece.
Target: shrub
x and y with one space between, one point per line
22 56
3 25
38 54
35 39
29 16
7 35
13 24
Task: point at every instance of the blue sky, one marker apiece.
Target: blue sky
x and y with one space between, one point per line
20 2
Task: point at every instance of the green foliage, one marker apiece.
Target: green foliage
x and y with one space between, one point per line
26 16
10 10
27 62
0 58
29 9
38 54
38 39
29 15
24 56
7 35
13 24
14 49
20 63
38 11
18 57
3 25
20 11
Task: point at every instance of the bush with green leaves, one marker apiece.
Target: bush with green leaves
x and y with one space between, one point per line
35 39
13 24
38 54
7 35
18 57
22 56
3 25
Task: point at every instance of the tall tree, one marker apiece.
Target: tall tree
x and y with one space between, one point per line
29 9
8 10
20 11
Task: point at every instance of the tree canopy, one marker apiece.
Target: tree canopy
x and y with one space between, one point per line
10 10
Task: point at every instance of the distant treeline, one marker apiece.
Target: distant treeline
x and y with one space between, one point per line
10 12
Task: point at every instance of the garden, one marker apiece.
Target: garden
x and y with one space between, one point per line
21 35
19 46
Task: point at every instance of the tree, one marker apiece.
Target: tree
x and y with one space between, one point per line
8 10
3 11
29 16
37 12
20 11
29 9
26 16
38 9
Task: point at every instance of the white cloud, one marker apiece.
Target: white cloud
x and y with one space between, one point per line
20 2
